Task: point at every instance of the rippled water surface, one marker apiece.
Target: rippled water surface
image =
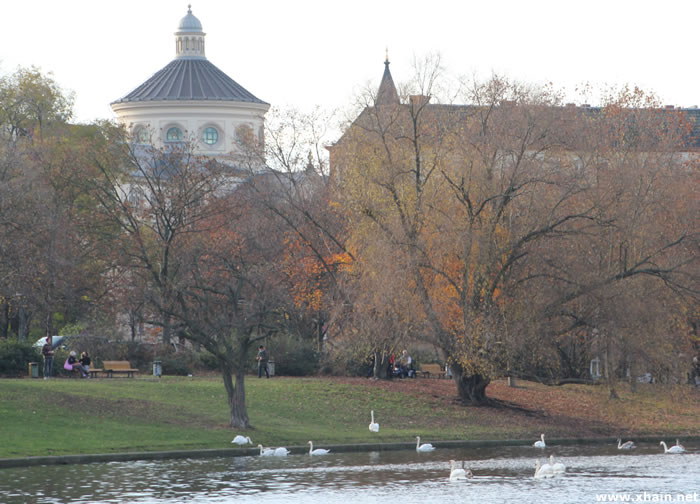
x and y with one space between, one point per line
501 475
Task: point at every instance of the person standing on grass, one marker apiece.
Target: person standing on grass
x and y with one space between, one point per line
47 352
262 362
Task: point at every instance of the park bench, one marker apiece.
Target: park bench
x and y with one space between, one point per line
430 370
95 372
110 368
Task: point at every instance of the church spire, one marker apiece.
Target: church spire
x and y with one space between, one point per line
387 94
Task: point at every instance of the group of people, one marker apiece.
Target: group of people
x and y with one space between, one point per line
72 363
401 368
404 367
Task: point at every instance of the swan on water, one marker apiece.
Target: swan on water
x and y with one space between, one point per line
457 473
427 447
678 443
317 451
267 452
673 449
543 471
373 427
281 452
241 440
557 468
627 445
540 443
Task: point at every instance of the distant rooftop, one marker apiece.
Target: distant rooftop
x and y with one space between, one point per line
190 79
189 23
190 76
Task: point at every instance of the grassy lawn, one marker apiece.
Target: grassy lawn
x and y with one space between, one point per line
64 416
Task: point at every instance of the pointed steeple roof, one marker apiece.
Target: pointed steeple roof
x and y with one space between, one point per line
387 94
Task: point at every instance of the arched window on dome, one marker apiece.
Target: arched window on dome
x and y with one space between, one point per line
174 134
210 136
142 135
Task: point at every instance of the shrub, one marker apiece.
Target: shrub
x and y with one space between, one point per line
348 360
175 366
15 357
141 355
207 361
294 357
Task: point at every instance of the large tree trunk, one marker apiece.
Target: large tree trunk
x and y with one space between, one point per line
471 388
23 329
381 365
4 320
167 329
236 398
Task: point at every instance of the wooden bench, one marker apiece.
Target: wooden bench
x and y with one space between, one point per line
95 372
110 368
429 370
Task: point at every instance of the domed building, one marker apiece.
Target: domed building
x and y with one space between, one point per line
191 99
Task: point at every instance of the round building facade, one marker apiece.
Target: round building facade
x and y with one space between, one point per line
190 99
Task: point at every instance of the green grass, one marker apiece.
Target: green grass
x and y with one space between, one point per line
65 416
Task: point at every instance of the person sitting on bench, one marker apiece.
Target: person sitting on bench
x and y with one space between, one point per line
85 361
72 364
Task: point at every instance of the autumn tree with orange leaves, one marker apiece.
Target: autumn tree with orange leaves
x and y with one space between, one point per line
484 206
289 175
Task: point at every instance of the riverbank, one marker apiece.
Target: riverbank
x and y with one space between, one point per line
68 417
303 450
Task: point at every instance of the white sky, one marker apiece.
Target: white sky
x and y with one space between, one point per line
309 52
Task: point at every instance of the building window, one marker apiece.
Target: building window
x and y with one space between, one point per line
142 136
210 136
173 135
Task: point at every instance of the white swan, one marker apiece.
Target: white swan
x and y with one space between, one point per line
678 443
557 468
373 427
427 447
267 452
281 452
457 473
540 443
241 440
627 445
673 449
544 471
317 451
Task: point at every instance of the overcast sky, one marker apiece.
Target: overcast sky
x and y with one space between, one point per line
308 52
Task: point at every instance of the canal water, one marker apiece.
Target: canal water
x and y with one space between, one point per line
595 473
